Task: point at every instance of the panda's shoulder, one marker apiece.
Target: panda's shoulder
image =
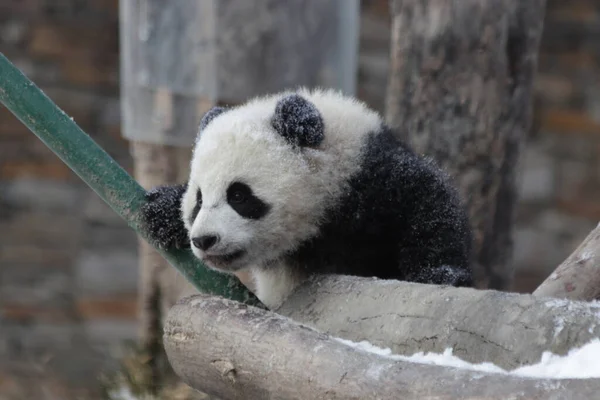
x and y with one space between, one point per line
417 173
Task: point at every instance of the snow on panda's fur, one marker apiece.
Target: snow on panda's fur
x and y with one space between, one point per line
310 182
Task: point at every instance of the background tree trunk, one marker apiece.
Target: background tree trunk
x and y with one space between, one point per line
459 90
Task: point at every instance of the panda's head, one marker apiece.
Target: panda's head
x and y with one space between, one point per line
263 174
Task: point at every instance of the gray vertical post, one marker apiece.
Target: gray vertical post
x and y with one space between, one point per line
168 68
179 57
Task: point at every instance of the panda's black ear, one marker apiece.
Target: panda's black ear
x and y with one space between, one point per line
209 116
298 121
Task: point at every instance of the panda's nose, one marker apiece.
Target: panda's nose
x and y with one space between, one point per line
205 242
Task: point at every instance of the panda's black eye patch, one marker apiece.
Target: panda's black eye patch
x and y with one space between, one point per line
244 202
197 206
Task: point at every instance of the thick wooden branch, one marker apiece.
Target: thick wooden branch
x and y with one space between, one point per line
236 351
460 84
578 277
508 329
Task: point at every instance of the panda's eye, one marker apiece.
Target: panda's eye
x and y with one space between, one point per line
238 196
238 193
197 207
241 198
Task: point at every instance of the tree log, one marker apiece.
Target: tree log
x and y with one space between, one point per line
508 329
235 351
578 277
460 84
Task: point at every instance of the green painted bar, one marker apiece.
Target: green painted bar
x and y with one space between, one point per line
111 182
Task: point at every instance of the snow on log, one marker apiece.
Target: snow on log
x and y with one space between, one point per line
578 277
235 351
507 329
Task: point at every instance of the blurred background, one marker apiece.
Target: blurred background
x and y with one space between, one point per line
69 265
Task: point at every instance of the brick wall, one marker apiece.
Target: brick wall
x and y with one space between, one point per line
560 179
68 274
67 262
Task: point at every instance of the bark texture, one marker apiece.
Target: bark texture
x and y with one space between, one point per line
460 86
578 277
508 329
236 351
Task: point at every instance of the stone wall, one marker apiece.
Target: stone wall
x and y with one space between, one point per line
68 273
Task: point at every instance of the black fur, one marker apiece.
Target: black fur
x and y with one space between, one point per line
210 115
162 217
241 198
399 219
197 207
298 121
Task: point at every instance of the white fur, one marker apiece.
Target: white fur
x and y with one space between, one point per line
241 144
274 284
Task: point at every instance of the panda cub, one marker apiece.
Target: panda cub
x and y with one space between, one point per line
312 182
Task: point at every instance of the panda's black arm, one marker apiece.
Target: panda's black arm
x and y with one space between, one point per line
162 216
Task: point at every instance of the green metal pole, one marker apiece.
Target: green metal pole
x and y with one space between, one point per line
111 182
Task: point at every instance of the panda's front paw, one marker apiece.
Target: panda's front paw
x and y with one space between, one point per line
162 217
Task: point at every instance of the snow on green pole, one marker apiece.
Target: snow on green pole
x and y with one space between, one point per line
111 182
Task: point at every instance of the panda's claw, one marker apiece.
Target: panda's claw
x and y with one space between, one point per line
152 194
161 216
181 243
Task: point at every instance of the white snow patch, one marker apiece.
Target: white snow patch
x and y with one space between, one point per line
559 321
555 303
595 303
366 346
571 308
553 276
559 325
585 256
579 363
123 393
